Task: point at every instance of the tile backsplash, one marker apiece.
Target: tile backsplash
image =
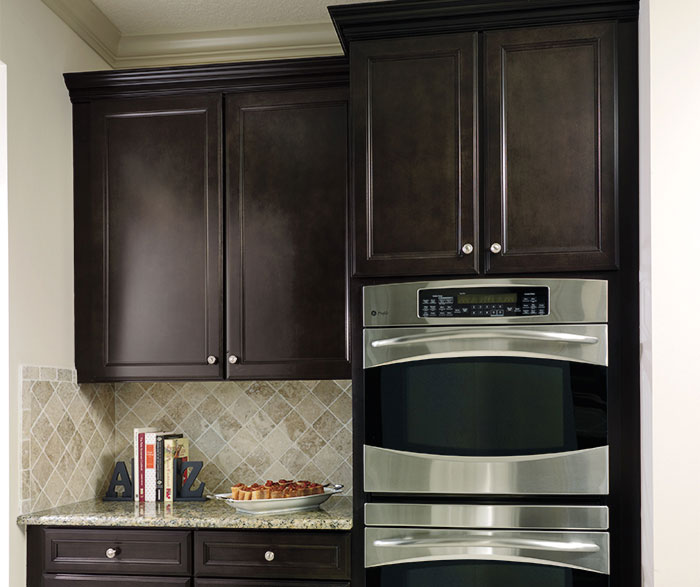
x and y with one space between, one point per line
247 431
67 438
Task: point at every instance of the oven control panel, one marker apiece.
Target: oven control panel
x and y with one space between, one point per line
483 302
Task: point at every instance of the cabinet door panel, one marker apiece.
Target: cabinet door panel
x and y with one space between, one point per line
551 193
100 580
147 252
263 583
415 173
287 228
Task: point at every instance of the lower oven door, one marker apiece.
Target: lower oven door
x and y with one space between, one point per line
484 558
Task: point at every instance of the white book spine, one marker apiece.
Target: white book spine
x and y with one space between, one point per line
150 462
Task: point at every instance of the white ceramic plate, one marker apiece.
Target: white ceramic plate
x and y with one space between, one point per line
280 505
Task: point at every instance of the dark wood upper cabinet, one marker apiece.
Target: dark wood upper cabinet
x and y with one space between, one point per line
550 194
415 179
148 261
287 268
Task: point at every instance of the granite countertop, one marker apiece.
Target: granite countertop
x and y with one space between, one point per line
335 514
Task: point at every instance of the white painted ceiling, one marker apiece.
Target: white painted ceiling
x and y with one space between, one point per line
148 17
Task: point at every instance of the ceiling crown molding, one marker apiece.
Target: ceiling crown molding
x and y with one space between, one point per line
120 51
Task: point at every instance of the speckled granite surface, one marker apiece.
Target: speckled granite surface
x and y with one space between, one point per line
335 514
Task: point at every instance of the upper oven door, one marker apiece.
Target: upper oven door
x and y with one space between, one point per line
486 410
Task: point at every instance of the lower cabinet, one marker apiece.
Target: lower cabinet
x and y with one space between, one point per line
145 557
97 580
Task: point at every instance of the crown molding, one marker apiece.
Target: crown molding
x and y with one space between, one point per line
252 44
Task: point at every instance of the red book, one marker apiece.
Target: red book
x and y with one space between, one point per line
142 466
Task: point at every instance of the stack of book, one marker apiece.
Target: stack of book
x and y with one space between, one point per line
154 452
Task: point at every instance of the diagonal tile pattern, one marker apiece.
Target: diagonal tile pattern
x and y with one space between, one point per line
67 438
244 431
247 431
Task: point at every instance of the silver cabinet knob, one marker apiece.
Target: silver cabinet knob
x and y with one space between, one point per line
269 556
111 552
233 359
496 248
467 249
211 359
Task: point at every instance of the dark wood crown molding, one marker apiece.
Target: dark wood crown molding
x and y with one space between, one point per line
398 18
231 77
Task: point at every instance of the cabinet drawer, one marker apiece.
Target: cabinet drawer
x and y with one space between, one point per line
138 552
273 555
98 580
263 583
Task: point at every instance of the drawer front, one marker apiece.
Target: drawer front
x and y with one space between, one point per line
136 552
98 580
263 583
272 555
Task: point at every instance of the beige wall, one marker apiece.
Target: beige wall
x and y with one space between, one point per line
37 48
670 215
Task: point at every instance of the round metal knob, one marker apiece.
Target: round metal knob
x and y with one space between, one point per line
467 249
211 359
111 552
269 556
496 248
233 359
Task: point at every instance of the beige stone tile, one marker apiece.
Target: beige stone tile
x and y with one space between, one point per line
54 448
87 427
327 426
327 460
342 443
194 393
277 408
277 442
327 392
42 429
36 450
66 391
42 470
294 461
129 421
342 408
54 410
343 476
47 373
260 425
211 476
276 385
178 409
227 392
130 393
26 455
260 392
30 372
210 409
26 423
76 445
293 391
65 467
310 383
344 384
210 443
164 422
310 408
66 427
228 460
310 443
26 393
226 425
293 425
244 409
259 460
161 392
26 491
147 409
42 391
193 425
65 375
243 442
276 472
244 385
243 474
312 473
41 502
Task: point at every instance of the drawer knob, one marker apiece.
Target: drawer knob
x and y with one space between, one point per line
269 556
233 359
211 359
467 249
496 248
111 552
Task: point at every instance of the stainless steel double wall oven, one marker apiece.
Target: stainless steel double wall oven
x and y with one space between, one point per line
485 431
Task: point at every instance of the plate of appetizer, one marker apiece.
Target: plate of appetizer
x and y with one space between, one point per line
277 497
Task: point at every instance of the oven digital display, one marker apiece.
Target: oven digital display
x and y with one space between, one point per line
483 302
495 298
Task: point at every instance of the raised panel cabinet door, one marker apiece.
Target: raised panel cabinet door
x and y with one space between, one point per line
148 259
287 263
117 581
551 156
414 118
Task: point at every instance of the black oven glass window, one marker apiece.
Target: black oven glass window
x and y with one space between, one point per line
481 574
486 406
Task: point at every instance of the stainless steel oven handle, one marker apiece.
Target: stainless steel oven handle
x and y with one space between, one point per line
478 333
477 541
